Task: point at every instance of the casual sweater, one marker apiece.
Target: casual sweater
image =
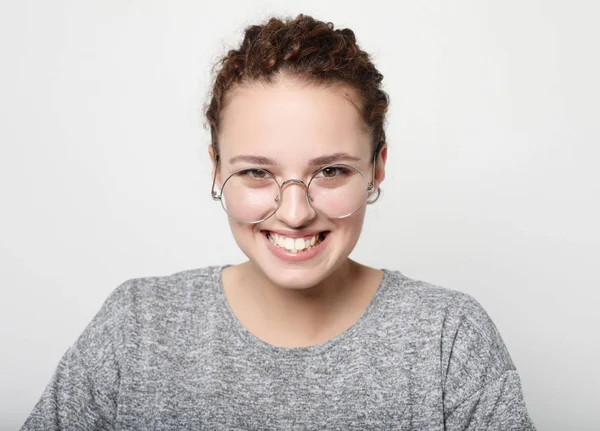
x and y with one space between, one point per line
168 353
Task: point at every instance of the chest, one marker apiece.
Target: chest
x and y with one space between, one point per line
358 387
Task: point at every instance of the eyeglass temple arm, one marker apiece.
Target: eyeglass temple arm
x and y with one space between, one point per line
216 196
372 183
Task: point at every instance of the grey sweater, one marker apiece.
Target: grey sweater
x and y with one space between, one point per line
167 353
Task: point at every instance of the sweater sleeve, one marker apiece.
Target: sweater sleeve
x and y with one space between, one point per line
482 389
82 393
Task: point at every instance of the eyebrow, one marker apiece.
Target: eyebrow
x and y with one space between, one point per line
321 160
255 160
333 158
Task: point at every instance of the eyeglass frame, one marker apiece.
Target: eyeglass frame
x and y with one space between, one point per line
370 186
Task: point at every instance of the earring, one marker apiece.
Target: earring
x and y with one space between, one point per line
371 200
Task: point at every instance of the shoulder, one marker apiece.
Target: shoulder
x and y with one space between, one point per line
456 318
173 287
472 350
427 298
135 302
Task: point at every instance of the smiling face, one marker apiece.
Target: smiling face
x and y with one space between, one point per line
292 129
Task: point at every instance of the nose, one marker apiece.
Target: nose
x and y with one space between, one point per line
294 209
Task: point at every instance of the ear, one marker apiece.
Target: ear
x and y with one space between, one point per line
211 154
380 168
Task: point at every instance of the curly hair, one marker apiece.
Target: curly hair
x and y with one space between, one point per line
305 48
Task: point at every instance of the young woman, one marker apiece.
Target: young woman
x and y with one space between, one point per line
300 336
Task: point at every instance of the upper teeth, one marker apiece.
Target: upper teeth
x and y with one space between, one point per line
293 244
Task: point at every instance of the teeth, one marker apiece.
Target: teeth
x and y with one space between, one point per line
289 244
295 245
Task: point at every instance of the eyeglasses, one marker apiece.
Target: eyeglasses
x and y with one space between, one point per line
253 195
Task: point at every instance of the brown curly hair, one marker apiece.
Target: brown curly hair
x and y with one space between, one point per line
305 48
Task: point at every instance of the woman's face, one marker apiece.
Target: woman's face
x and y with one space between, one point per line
286 126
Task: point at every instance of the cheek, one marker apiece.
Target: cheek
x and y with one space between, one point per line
351 227
242 233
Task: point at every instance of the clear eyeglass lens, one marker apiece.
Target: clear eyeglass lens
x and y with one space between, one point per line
252 195
337 191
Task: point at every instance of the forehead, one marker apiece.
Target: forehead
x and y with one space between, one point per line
292 121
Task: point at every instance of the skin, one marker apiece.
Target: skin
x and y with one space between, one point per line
291 121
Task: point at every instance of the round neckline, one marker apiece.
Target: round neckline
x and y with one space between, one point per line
253 341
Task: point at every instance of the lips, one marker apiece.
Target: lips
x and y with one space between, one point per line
298 247
295 244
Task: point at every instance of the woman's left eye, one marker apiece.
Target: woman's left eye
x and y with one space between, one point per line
333 171
330 172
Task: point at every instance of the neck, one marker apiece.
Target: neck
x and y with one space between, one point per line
308 311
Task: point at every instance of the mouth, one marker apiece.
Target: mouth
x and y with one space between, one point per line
295 245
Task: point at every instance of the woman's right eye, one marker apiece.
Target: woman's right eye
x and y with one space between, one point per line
257 174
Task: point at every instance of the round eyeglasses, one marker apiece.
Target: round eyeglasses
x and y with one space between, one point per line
253 195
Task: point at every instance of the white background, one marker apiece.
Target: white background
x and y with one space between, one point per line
492 188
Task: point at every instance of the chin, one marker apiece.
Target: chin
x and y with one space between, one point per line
293 271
